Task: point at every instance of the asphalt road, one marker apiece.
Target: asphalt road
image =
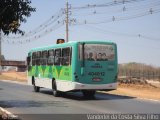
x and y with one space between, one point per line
20 99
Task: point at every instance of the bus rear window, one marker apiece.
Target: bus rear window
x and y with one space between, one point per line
97 52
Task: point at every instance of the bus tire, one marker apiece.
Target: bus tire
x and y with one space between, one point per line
35 88
56 93
88 93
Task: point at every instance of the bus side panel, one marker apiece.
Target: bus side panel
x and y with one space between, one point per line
64 73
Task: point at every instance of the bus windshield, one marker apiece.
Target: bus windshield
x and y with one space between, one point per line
97 52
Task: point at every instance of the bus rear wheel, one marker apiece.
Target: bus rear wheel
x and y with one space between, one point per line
55 92
88 93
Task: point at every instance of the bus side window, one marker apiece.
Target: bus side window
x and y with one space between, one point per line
38 58
57 58
50 57
66 56
28 61
33 58
44 58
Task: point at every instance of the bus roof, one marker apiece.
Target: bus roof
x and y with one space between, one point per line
69 43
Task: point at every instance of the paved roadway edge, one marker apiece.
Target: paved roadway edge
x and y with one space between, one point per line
4 114
25 83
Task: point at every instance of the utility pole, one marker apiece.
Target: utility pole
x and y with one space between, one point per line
67 30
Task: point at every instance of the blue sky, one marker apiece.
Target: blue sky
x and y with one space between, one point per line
130 48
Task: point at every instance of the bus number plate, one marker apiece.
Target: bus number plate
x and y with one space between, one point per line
96 79
96 73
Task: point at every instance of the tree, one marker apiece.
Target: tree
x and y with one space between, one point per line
13 13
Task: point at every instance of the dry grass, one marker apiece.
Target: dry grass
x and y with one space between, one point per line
15 76
139 91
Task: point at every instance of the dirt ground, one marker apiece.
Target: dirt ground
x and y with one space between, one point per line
139 91
15 76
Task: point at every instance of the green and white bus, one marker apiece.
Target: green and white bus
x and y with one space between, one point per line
85 66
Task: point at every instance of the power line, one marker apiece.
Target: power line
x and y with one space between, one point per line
27 40
113 3
41 27
122 34
123 9
114 18
44 28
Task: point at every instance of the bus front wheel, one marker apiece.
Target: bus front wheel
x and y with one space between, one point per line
36 88
54 89
88 93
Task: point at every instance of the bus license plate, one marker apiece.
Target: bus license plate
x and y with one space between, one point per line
96 79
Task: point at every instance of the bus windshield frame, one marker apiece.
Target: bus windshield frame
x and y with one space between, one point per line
96 52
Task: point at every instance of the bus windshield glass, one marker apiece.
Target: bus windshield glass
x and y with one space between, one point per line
98 52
